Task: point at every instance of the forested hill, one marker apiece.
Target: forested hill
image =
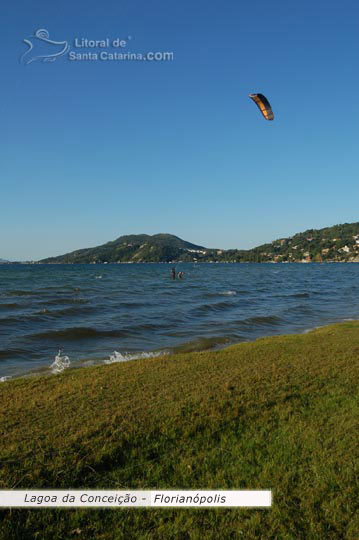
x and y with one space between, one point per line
134 248
339 243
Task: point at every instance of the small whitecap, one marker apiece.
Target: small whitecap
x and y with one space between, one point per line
229 293
60 363
125 357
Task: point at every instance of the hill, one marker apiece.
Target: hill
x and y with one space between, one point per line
279 413
339 243
134 248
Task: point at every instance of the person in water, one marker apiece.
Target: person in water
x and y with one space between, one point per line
173 273
180 275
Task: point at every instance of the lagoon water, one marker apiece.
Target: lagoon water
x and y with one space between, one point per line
106 313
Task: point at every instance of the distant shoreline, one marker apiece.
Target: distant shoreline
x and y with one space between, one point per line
153 355
29 263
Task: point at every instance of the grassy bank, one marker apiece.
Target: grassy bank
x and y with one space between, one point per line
280 413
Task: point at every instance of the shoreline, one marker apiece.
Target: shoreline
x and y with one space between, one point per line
59 365
277 413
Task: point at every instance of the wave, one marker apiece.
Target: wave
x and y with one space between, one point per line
225 293
60 363
72 334
81 333
9 321
313 328
147 327
302 309
347 319
13 305
132 305
260 320
17 292
5 378
293 295
64 300
125 357
204 343
12 353
212 308
61 289
44 315
67 311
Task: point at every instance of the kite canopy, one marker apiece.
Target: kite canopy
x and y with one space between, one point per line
263 105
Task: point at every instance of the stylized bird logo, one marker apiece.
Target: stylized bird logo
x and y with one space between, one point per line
40 41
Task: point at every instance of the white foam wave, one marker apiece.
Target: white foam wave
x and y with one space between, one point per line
229 293
313 328
324 325
5 378
89 363
125 357
60 363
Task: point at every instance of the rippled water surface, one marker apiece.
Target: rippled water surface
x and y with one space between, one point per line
91 311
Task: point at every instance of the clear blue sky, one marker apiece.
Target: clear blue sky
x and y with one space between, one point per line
94 150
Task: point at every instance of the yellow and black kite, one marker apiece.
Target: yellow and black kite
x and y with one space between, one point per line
263 105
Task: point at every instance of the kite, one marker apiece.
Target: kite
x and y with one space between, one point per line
263 105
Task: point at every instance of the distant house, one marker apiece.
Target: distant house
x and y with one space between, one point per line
203 252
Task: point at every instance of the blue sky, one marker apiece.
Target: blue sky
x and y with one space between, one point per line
94 150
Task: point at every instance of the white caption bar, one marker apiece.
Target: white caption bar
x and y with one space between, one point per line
93 498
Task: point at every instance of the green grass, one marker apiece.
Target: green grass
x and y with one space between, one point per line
280 413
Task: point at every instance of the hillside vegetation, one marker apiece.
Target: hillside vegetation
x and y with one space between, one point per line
133 248
339 243
280 413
